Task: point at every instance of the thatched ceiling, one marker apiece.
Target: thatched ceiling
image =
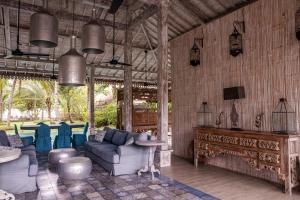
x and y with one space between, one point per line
184 15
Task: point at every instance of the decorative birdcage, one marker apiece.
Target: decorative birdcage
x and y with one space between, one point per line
204 116
297 24
195 53
284 118
235 43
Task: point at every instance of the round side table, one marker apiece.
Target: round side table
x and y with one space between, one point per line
152 144
8 154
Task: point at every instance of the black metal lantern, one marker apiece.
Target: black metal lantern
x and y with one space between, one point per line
284 118
297 24
195 53
204 116
235 43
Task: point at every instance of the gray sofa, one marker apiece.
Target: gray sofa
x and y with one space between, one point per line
19 176
116 157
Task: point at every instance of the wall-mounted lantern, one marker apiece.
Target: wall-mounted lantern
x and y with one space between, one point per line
195 53
297 24
204 115
236 38
284 118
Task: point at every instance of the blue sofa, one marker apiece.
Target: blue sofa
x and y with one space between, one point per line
116 157
19 176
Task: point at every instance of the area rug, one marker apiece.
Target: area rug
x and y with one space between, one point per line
102 186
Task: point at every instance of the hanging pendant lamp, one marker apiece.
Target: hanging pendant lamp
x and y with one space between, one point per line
72 66
93 36
43 29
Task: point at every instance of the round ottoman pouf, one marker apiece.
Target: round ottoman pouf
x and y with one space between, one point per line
56 154
74 168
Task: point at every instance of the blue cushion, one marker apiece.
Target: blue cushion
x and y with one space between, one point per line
89 145
3 139
119 137
109 134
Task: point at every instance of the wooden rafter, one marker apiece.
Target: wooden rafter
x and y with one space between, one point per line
150 11
5 12
97 66
196 11
63 35
60 14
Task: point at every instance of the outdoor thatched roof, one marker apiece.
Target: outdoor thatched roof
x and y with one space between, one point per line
184 15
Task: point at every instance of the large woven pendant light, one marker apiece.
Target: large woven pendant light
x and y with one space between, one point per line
43 28
72 66
93 36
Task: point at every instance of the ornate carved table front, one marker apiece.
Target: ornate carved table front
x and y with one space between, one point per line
261 150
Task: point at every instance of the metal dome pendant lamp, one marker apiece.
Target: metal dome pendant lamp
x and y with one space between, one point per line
93 36
72 66
43 28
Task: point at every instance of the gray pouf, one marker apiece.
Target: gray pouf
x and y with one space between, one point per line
74 168
56 154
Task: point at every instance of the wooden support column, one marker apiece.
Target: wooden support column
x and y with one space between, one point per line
128 76
162 89
92 99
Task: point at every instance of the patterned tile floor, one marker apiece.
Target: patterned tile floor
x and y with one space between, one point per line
102 186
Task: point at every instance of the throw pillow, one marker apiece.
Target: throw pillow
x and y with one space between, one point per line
129 141
99 136
109 134
119 137
15 141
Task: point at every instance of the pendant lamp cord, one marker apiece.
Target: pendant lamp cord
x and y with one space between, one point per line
73 17
114 36
94 10
146 65
18 25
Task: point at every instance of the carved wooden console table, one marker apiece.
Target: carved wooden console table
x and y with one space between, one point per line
261 150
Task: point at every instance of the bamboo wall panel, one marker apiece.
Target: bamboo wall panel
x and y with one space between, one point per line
268 69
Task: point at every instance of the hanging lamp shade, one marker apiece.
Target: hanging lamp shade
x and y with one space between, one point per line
93 37
72 67
43 29
235 43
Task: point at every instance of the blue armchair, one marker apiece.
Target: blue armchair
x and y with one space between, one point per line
80 138
43 139
64 137
28 140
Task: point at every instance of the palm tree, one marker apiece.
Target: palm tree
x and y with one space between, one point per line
3 84
56 101
48 87
10 100
65 93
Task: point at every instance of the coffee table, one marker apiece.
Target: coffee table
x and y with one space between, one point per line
74 168
8 154
152 144
56 154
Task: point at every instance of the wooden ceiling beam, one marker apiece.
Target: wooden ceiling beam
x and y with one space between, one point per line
10 71
196 11
97 66
63 35
60 14
5 12
140 19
